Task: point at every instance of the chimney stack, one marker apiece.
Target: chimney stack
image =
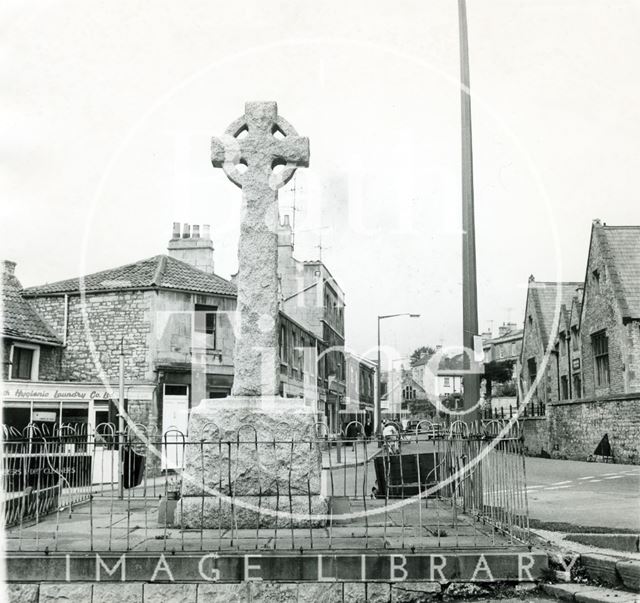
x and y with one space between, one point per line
192 248
8 267
285 233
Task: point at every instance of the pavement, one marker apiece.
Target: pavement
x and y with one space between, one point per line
597 495
106 523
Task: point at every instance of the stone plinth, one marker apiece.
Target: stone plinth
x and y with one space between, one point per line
260 454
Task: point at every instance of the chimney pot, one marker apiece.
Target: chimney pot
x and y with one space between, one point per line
176 230
206 231
186 231
596 222
196 231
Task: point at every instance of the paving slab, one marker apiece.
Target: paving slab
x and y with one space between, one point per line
629 572
602 567
585 593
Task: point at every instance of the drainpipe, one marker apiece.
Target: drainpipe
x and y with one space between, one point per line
557 355
569 367
66 319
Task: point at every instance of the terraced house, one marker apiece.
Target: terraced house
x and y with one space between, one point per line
545 310
591 385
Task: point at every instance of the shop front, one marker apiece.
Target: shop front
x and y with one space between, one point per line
84 415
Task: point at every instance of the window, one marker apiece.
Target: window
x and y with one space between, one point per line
447 381
24 362
533 370
595 279
564 387
577 386
574 338
563 344
205 324
283 343
600 346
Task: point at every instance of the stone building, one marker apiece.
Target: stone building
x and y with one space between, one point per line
31 353
610 313
502 365
312 297
539 336
593 386
170 316
360 384
401 394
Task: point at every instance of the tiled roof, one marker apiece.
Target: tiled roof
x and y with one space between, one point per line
515 334
622 251
544 297
160 271
451 363
19 319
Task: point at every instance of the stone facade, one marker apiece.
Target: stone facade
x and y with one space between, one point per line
539 355
602 312
93 347
312 297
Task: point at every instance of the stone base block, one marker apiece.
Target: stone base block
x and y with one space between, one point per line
265 512
252 445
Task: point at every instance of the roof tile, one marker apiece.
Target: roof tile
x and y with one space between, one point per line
19 318
160 271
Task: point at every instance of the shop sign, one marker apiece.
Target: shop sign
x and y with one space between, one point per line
54 392
44 416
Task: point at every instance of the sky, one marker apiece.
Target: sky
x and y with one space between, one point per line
110 107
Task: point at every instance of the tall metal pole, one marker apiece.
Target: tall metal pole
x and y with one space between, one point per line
471 382
121 423
378 402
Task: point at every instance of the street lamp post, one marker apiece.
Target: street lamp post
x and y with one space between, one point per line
378 397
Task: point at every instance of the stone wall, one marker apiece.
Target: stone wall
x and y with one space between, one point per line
577 426
50 363
139 592
572 429
536 435
110 317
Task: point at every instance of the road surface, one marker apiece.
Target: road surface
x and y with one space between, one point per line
584 494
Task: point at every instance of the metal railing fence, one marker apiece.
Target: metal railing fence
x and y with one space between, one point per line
74 490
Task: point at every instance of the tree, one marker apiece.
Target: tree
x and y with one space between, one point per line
500 371
425 350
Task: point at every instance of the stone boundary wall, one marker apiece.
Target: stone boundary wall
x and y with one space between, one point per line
536 435
573 428
139 592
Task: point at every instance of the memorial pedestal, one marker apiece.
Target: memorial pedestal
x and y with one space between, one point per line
251 461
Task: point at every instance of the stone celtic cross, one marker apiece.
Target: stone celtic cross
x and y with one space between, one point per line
250 150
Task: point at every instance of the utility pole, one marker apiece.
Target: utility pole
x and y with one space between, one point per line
471 381
121 422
